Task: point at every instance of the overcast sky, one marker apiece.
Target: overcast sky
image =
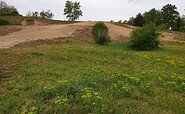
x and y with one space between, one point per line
104 10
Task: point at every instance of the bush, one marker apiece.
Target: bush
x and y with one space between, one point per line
101 33
3 22
145 38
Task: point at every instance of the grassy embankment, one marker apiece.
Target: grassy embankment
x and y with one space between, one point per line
78 77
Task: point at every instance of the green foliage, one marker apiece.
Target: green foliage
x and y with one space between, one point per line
6 10
178 24
46 14
145 38
167 17
169 14
3 21
139 20
100 33
43 14
153 16
131 21
72 10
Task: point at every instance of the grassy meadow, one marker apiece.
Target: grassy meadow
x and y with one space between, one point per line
73 76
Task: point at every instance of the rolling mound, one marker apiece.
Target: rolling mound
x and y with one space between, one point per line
49 29
80 30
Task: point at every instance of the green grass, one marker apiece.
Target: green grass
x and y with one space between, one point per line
80 77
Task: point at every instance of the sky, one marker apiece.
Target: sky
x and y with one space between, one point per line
97 10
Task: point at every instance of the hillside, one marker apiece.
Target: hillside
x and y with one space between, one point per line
49 29
57 68
68 75
81 30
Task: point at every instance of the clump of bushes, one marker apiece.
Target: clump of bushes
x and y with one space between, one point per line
101 33
145 38
3 22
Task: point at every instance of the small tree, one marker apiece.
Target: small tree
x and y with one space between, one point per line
145 38
72 10
100 33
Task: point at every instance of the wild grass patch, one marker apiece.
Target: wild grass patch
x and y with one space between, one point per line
76 78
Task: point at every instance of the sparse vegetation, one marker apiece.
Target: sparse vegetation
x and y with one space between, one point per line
101 33
145 38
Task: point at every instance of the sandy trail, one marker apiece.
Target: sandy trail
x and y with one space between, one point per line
29 33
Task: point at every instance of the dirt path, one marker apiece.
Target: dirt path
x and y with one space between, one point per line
29 33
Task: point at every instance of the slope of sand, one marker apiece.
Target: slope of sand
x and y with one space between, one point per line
81 30
29 33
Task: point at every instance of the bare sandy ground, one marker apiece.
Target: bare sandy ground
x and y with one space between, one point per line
36 32
78 30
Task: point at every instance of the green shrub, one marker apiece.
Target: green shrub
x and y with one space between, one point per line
3 22
145 38
101 33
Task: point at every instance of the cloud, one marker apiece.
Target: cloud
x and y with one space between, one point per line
96 9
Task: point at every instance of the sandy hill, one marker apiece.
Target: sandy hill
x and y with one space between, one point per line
49 29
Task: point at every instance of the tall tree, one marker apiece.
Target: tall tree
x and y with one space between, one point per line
139 20
153 16
169 14
72 10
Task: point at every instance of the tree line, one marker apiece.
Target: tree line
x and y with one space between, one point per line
167 18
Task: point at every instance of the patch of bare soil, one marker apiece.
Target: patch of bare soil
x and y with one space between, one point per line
84 33
81 30
171 37
119 33
5 30
59 40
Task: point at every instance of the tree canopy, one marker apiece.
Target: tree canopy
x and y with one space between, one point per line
7 10
139 20
167 18
46 14
72 10
169 14
153 16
